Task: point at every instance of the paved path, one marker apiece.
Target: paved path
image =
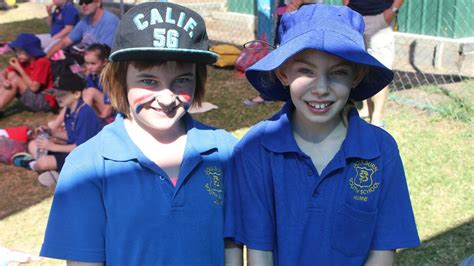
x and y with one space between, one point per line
24 11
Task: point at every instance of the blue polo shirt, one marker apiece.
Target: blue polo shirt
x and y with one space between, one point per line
93 81
113 204
358 203
81 123
67 15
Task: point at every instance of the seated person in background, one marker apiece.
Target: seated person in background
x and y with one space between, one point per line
81 124
62 17
95 59
97 26
27 76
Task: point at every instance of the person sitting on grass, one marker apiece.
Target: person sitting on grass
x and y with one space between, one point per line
27 76
95 58
81 123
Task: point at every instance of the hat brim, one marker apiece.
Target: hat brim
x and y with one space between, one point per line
164 54
327 41
33 51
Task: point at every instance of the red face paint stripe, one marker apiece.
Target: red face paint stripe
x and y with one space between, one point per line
141 98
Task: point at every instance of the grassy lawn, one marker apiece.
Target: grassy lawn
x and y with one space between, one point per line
433 126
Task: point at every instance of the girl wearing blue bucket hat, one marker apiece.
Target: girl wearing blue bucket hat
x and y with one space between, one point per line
315 184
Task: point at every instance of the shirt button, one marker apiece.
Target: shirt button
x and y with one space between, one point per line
310 172
162 178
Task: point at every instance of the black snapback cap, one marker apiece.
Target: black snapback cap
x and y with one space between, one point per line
162 31
69 82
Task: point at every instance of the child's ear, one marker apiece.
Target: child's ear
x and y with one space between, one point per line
281 75
361 71
77 95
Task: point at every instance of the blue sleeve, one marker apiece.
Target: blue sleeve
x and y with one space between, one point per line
77 220
110 25
76 34
250 217
395 227
70 15
87 125
90 82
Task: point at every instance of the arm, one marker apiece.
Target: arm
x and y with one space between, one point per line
49 145
65 42
33 85
233 254
49 10
346 2
389 14
259 257
78 263
380 258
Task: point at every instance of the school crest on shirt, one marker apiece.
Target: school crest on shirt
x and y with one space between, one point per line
363 183
215 186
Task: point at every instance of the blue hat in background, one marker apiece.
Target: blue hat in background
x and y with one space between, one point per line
29 43
336 30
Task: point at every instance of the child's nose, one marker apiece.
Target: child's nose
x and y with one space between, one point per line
320 85
166 100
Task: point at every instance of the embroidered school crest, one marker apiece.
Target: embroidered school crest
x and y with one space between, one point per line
215 187
363 182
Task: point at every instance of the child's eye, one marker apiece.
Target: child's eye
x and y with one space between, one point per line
182 80
149 82
340 72
305 71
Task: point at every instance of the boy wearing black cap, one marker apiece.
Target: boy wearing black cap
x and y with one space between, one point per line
27 76
149 188
81 123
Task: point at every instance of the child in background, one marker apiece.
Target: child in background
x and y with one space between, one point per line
81 124
315 184
149 188
27 76
95 58
62 17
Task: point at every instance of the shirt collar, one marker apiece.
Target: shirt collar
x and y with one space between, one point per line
360 141
68 110
119 147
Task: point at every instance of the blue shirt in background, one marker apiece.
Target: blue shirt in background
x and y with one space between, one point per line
102 32
61 17
81 124
93 81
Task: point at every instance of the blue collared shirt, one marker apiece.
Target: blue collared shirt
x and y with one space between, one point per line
358 203
81 124
68 15
113 204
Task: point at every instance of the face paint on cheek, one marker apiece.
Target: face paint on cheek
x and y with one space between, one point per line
141 101
185 99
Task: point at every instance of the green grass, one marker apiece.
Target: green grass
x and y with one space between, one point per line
437 149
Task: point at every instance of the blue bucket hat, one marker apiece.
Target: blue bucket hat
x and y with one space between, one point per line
336 30
29 43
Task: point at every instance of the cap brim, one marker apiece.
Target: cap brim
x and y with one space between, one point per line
30 50
330 42
157 54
